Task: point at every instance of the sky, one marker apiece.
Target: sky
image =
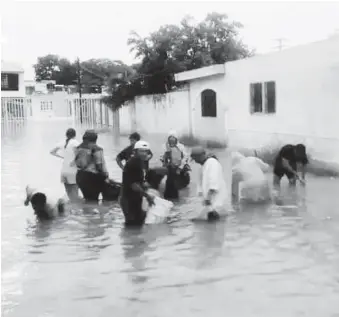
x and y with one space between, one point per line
97 29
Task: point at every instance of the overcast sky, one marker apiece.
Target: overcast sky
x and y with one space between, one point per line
100 29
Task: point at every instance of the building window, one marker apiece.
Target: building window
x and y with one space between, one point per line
209 103
263 97
9 82
46 106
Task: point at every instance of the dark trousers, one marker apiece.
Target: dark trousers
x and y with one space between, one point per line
171 190
91 185
131 206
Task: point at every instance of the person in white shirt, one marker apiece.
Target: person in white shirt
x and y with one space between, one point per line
249 182
212 186
69 169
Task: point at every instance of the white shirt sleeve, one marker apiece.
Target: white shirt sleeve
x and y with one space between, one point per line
212 175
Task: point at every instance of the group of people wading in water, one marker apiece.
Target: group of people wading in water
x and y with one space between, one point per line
84 168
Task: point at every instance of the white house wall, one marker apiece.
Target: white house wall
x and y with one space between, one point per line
158 114
208 128
307 99
21 93
59 106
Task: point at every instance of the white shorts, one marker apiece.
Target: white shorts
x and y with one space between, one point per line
68 178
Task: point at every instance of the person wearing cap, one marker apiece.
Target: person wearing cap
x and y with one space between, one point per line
212 186
134 185
45 208
127 152
68 170
174 158
92 175
249 182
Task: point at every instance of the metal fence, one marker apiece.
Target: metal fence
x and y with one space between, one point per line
13 109
90 112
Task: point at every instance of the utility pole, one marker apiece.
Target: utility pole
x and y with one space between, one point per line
79 88
280 45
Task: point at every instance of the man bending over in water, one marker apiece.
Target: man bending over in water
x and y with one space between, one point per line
249 182
44 208
290 159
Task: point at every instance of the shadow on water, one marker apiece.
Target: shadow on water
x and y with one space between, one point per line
262 257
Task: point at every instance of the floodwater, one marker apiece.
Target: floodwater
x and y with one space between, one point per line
262 261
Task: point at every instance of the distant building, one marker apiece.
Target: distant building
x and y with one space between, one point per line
12 80
41 87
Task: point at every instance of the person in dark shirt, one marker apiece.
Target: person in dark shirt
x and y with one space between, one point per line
134 185
290 159
127 152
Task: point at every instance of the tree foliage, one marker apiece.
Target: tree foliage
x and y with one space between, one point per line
53 67
176 48
95 73
161 54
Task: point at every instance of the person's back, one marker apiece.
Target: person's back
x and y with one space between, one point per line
92 172
251 168
69 155
249 180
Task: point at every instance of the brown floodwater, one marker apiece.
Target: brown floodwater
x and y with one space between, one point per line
261 261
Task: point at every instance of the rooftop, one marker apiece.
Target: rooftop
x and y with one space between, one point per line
11 67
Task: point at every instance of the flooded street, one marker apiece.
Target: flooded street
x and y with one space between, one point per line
267 261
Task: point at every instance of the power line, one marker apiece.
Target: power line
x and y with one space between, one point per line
280 41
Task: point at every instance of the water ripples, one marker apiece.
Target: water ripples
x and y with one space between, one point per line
261 261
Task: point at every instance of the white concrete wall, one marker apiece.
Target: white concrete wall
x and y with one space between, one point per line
127 118
208 128
178 110
307 99
16 94
157 114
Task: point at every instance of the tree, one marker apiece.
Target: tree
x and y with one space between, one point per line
188 46
52 67
102 71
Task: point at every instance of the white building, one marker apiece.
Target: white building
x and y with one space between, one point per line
287 96
13 105
12 80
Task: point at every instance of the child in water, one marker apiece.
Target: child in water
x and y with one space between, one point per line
44 207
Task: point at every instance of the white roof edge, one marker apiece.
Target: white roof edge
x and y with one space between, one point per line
208 71
10 67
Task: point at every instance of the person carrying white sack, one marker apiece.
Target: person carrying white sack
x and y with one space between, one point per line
212 187
249 182
160 210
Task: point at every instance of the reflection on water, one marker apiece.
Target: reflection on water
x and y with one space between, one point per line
279 260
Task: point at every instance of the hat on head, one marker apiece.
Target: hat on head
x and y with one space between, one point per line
197 150
142 145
